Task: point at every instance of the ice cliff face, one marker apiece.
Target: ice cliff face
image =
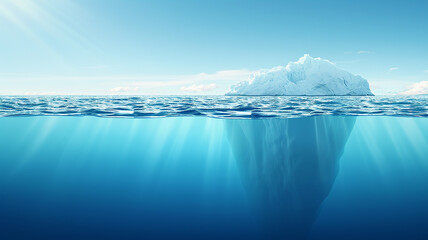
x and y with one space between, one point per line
308 76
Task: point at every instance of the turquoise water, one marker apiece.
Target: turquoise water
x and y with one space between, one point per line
319 177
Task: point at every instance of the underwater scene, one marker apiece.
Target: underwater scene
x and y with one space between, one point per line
253 120
213 168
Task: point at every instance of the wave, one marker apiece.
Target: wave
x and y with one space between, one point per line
235 107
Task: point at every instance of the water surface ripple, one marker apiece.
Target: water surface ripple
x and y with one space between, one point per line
213 106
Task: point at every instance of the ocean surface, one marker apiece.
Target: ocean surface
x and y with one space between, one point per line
213 167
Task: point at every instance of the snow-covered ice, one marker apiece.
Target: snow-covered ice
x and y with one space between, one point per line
307 76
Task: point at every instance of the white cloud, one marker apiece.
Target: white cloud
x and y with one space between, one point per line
124 89
426 71
120 84
156 84
393 69
224 75
387 86
199 88
417 88
363 52
40 93
43 93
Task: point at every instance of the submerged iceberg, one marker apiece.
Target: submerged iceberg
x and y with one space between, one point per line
308 76
288 167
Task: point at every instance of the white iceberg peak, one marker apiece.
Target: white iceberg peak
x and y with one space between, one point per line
307 76
306 58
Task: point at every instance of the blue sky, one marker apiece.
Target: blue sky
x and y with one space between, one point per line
202 47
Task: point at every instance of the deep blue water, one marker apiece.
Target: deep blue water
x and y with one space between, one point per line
317 177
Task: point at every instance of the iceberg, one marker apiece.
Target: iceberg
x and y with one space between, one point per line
307 77
288 167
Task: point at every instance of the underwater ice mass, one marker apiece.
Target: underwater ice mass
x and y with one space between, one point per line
288 167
